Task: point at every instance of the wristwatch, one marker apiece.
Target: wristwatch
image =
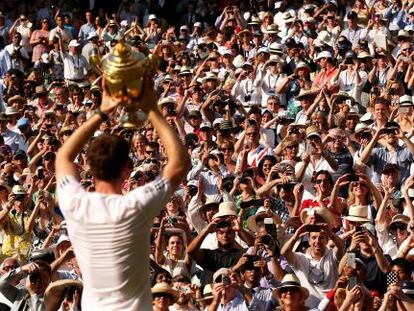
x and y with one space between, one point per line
102 115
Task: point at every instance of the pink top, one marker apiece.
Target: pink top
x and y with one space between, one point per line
40 48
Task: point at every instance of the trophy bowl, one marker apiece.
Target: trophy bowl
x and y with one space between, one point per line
124 70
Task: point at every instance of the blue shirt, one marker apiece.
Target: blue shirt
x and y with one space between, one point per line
381 156
84 31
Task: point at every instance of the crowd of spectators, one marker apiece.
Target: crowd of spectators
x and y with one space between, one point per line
298 116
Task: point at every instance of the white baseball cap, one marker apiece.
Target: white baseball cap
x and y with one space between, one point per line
74 43
324 54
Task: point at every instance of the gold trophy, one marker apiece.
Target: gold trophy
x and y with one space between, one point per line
125 69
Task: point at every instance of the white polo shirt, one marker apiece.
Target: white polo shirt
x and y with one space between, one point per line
75 67
110 234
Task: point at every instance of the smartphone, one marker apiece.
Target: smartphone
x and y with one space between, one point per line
270 226
358 229
353 281
225 280
350 260
313 228
391 278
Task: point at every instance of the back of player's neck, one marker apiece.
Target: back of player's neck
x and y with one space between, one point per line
106 187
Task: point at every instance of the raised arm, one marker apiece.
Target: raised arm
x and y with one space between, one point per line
67 153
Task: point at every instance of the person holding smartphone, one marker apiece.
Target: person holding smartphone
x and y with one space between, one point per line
317 267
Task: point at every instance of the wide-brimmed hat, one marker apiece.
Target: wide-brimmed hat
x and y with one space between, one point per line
167 100
261 211
55 292
245 32
361 127
305 94
358 213
219 272
290 280
324 213
288 17
255 20
16 98
302 65
364 55
276 48
207 293
18 189
185 70
210 76
400 218
406 100
273 59
165 288
226 209
324 38
11 111
272 29
212 200
312 130
403 34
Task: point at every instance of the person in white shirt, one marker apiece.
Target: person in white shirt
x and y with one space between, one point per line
317 269
352 80
60 32
244 89
353 33
110 232
75 66
19 56
268 78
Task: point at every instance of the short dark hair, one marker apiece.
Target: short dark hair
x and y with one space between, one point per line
108 155
181 279
404 264
44 266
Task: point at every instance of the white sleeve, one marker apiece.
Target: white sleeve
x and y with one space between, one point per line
152 196
68 189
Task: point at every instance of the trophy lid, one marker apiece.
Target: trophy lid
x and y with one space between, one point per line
122 58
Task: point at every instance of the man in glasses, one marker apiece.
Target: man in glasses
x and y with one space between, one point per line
110 231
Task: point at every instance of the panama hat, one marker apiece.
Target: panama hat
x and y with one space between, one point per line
245 32
289 281
400 218
220 272
55 292
261 212
312 130
167 100
212 200
273 59
16 98
305 94
272 29
324 213
358 213
165 288
207 293
210 76
302 65
226 209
